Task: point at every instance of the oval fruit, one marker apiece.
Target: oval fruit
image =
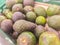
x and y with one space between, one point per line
53 10
40 20
49 38
26 38
54 22
7 25
40 11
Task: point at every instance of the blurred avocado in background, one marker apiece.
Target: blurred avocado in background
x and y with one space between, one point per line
2 3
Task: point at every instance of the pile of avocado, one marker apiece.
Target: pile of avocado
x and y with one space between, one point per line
29 24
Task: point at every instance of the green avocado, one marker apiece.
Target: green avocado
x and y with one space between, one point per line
54 22
53 10
49 38
40 11
26 38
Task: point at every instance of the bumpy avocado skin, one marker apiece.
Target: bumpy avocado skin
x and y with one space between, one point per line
28 9
6 11
31 16
49 38
9 15
23 25
17 7
26 38
54 22
53 10
40 11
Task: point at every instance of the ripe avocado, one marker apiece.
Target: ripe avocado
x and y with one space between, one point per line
54 22
49 38
26 38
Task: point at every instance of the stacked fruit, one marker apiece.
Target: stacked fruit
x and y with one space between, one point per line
29 24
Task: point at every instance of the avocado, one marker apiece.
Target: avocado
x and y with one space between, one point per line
10 3
40 11
40 20
53 10
28 9
39 30
7 25
28 3
23 25
26 38
2 17
49 38
9 15
6 11
17 7
54 22
31 16
49 29
15 35
17 16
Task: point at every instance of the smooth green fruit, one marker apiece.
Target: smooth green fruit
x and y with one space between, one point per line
54 22
53 10
40 20
28 9
49 38
31 16
39 30
40 11
26 38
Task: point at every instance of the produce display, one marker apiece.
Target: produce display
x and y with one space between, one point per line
29 24
40 11
17 7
